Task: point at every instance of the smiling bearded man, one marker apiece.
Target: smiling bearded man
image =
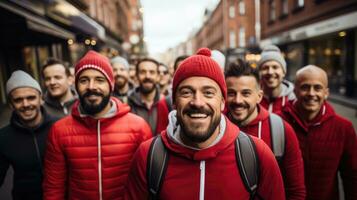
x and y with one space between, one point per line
200 144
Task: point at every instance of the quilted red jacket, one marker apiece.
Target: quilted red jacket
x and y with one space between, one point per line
328 145
212 171
291 164
88 158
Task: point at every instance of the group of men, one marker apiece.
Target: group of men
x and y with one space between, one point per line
242 133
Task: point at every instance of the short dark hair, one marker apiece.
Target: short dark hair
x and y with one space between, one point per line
147 60
54 61
179 59
241 68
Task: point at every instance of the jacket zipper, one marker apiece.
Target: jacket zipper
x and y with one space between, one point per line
99 162
202 179
37 149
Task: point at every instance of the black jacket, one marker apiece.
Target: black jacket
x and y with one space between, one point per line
24 149
55 108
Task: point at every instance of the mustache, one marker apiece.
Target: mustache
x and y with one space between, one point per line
89 93
148 81
195 110
238 105
119 76
24 109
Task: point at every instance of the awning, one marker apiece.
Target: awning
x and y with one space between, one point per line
38 23
88 25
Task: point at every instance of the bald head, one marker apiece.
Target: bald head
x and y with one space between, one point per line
311 72
311 91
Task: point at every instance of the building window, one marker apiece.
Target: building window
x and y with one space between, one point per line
232 12
272 13
232 39
241 7
284 7
242 37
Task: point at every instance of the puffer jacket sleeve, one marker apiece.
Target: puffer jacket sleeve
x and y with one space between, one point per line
136 187
292 166
348 164
55 172
145 131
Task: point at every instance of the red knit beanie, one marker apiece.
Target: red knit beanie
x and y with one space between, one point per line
94 60
200 64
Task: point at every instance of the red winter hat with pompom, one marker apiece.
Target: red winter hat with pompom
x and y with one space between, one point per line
201 64
96 61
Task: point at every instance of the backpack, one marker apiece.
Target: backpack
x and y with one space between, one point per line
245 152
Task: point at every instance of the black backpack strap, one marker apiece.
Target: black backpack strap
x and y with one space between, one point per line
248 163
156 166
168 100
277 132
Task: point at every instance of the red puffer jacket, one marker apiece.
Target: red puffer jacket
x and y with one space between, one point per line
88 158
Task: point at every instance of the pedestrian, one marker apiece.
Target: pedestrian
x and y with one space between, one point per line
89 152
327 141
143 99
60 96
243 109
122 85
272 70
23 141
200 143
164 79
164 106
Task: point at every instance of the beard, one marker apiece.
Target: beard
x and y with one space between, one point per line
92 108
232 106
120 82
194 132
146 90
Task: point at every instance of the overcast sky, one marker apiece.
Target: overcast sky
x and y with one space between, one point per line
169 22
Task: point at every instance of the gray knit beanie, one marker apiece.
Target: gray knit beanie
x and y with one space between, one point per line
120 60
272 52
20 79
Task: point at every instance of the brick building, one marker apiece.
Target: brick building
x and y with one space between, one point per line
320 32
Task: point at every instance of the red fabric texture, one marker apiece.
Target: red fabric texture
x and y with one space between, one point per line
200 64
71 160
291 165
162 115
222 178
278 103
328 144
94 60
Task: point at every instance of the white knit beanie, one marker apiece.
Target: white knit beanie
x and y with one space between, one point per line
20 79
120 60
272 52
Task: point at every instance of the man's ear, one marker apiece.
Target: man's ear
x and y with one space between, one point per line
223 104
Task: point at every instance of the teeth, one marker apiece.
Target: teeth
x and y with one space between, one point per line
198 115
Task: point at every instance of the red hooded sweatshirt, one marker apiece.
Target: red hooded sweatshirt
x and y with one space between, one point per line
89 158
211 172
291 165
328 144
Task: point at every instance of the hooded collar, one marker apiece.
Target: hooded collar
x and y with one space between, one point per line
227 135
325 113
263 114
56 104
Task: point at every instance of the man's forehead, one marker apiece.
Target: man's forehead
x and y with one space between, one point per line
24 92
198 82
91 73
312 76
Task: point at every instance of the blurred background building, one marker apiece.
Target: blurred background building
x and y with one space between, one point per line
320 32
32 31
